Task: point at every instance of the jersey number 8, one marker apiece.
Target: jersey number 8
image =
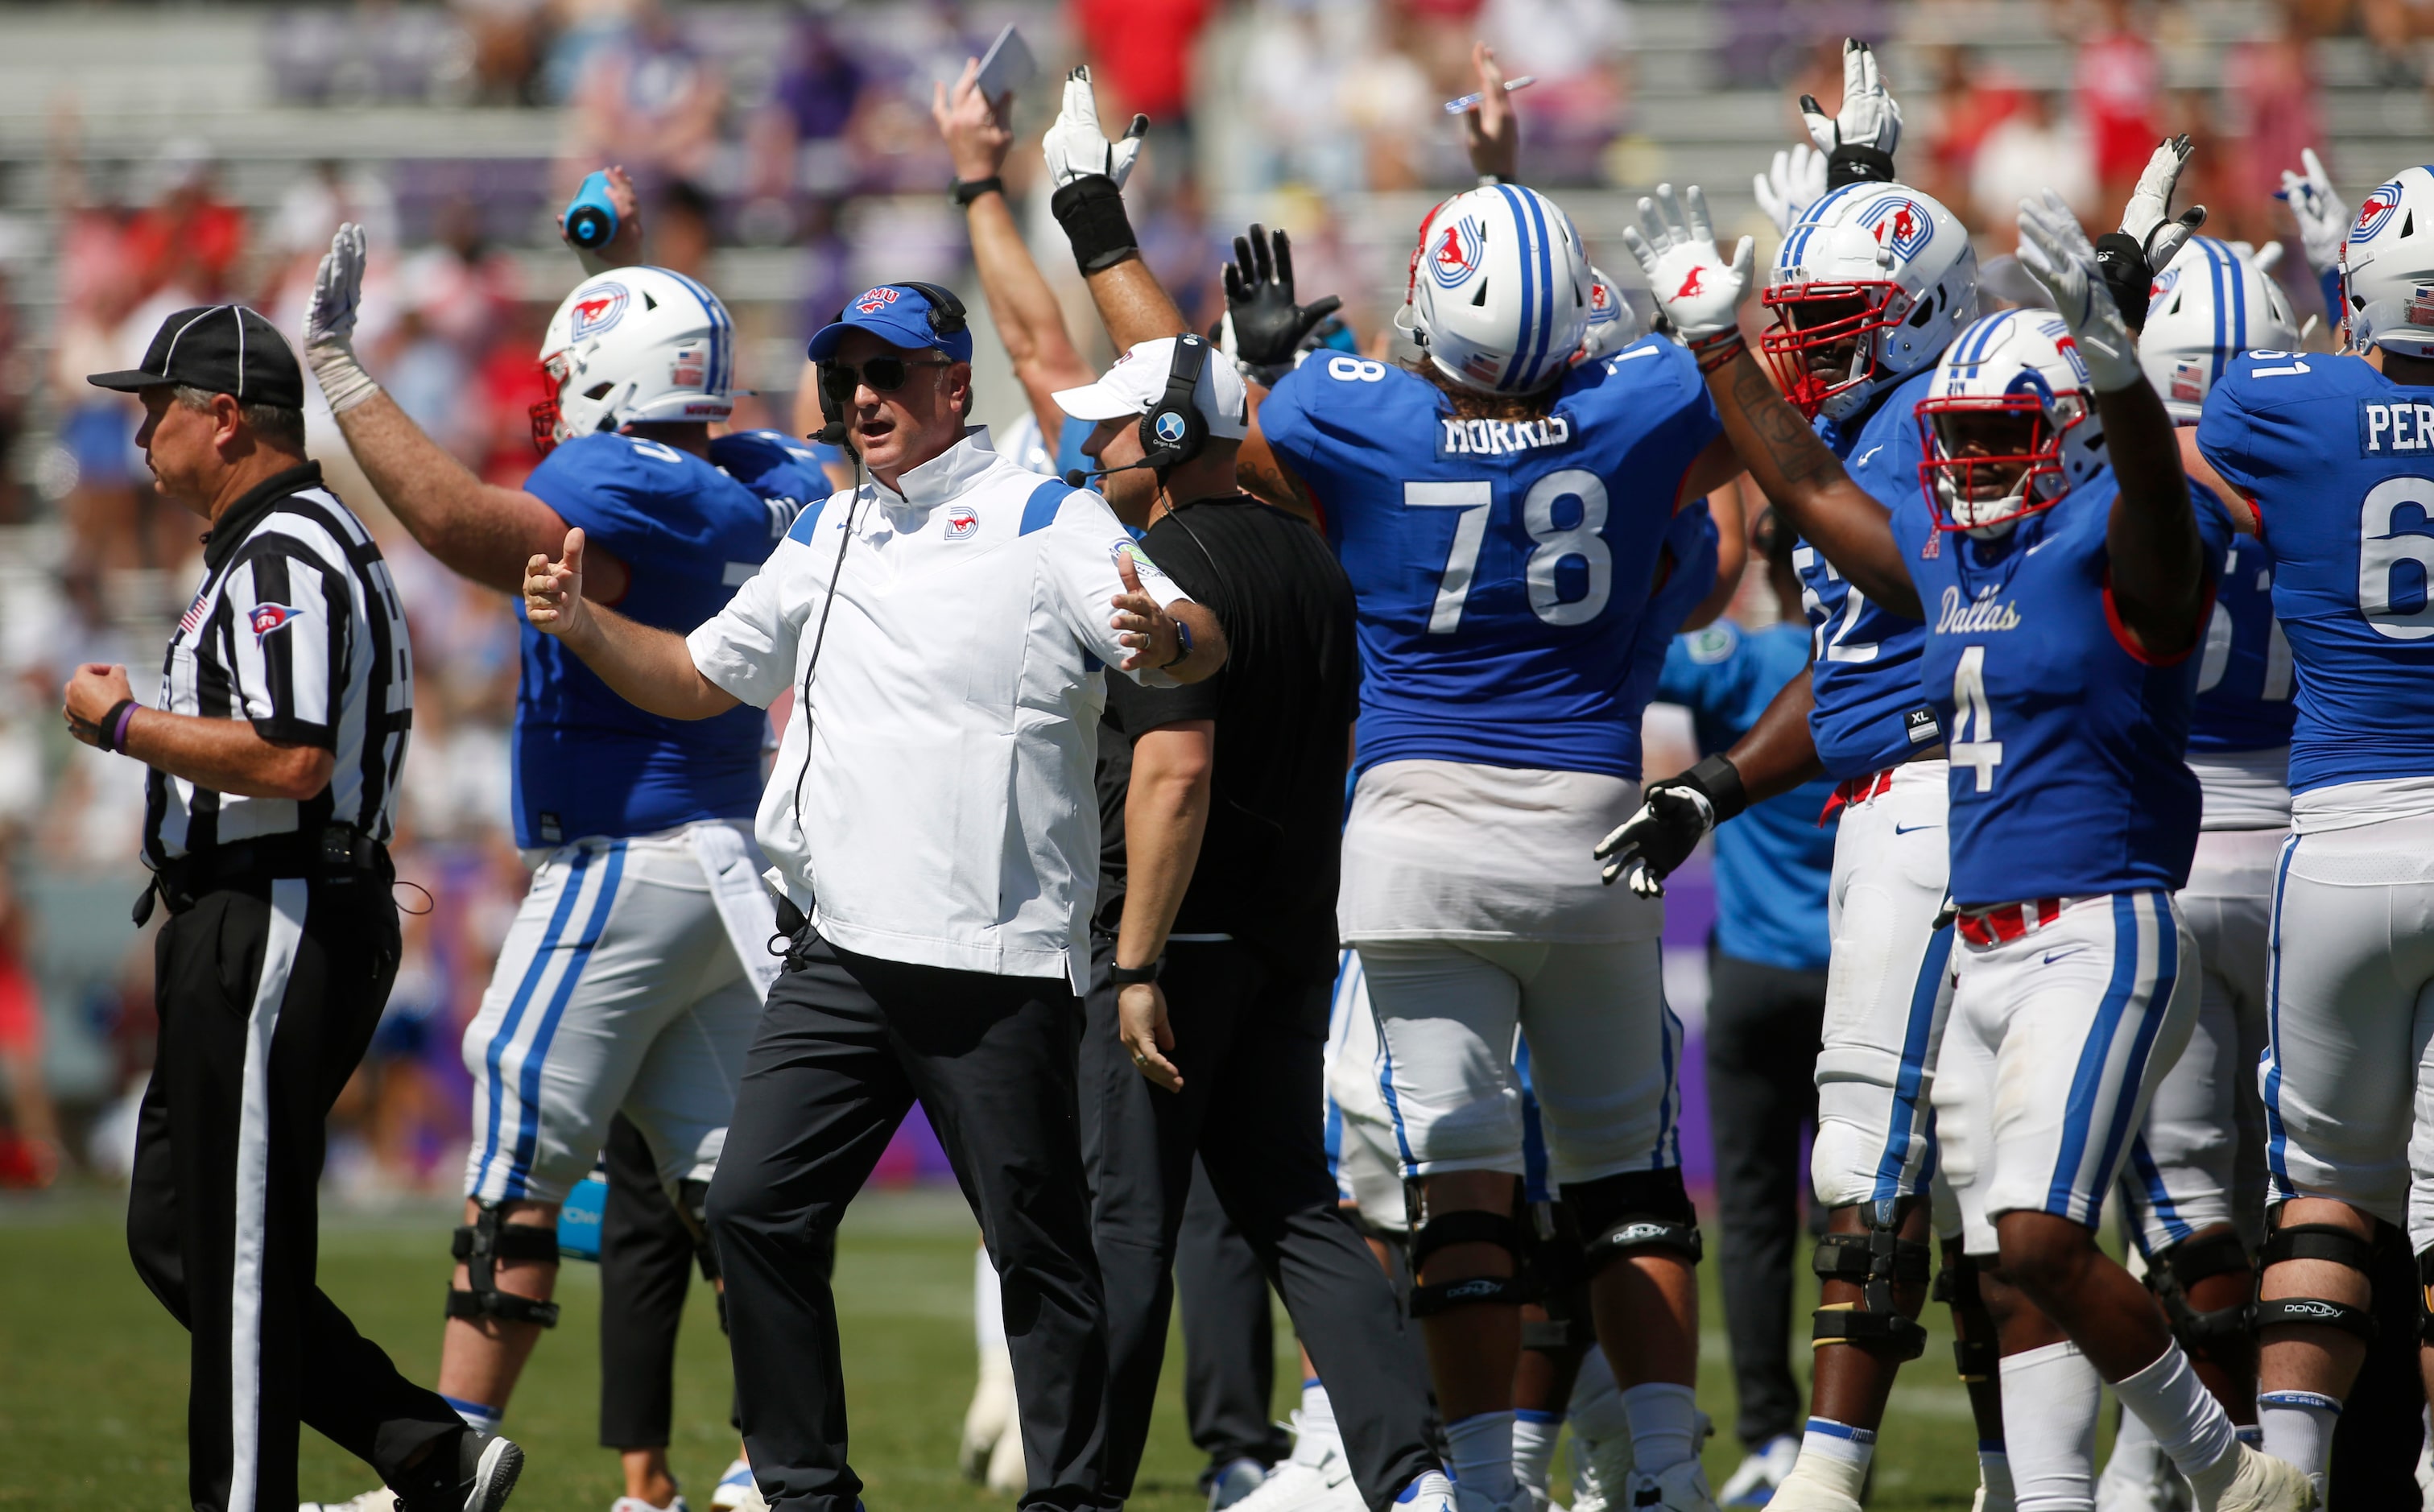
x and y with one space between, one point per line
1553 544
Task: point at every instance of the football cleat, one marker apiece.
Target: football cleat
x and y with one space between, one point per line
1801 1494
1601 1472
737 1490
378 1499
1679 1488
1431 1492
2262 1484
1762 1472
635 1504
1229 1483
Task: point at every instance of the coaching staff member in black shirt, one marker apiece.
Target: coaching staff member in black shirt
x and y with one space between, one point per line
274 751
1214 947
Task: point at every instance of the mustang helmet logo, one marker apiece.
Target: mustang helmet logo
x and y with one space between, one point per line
599 310
1458 253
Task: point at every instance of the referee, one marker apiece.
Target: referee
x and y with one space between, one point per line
285 699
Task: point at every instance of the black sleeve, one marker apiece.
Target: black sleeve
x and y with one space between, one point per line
287 637
1137 711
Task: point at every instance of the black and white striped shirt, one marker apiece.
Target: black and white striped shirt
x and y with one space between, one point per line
296 629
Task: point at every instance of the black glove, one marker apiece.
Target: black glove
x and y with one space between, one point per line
2126 277
1673 816
1092 210
1268 326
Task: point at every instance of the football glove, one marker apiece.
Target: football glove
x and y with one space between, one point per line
1673 817
2323 220
1076 147
1859 143
2056 253
1796 181
2148 215
1268 327
329 322
1695 288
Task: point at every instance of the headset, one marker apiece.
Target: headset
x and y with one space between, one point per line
947 317
1173 431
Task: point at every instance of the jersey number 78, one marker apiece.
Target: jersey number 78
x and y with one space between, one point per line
1476 500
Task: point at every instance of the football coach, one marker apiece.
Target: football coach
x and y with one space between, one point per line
285 699
946 627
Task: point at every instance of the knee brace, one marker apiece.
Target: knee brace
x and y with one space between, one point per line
1558 1278
2316 1241
2221 1334
1977 1357
480 1246
1635 1210
1467 1227
1877 1262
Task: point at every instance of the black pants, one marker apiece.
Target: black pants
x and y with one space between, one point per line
1763 1027
1249 1049
847 1044
1230 1337
647 1253
267 996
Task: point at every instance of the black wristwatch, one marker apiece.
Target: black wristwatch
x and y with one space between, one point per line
1182 641
968 190
1135 975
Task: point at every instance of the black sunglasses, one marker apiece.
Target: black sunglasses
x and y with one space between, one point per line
884 374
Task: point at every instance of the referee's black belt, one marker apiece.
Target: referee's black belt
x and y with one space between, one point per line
334 854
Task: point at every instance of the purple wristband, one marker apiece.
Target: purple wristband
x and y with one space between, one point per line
125 715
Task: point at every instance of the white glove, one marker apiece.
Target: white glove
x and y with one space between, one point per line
1870 118
2057 254
1699 291
329 322
2323 220
2147 218
1075 145
1796 181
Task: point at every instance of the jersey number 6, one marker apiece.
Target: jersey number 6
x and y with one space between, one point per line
2383 550
1553 544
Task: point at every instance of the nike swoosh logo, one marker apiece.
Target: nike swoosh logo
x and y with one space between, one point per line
2038 547
1914 827
2052 956
1862 460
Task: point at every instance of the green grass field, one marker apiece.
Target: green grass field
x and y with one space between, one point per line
93 1373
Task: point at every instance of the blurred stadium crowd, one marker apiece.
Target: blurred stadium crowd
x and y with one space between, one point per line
783 151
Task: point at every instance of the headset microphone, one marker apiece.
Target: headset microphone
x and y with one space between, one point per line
1076 478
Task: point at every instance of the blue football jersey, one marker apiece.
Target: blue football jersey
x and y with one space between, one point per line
1864 657
2244 673
2066 748
2340 461
784 470
586 761
1505 572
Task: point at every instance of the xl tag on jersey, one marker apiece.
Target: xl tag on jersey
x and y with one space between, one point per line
1501 438
2386 429
1919 724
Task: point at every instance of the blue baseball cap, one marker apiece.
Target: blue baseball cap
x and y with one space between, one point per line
916 316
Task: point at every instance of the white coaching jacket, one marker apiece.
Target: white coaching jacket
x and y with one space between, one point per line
934 795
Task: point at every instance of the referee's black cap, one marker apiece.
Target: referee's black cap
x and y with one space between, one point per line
221 349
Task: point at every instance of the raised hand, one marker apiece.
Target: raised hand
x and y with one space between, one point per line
1075 145
1870 117
2147 218
624 250
329 322
1147 630
2057 254
975 126
1795 181
2323 220
1700 292
1491 130
553 590
1268 326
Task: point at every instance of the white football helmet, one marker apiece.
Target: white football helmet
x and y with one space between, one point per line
1500 289
1617 316
2388 267
633 345
1867 289
2214 301
2010 423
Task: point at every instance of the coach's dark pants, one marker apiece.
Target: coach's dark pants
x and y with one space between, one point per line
849 1042
267 997
1249 1048
1763 1026
646 1259
1230 1337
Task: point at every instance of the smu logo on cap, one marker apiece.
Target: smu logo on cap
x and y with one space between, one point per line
599 310
266 617
876 300
1169 427
1458 253
2380 202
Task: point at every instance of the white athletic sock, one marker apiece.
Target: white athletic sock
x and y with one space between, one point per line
989 1304
1597 1401
479 1415
2299 1428
1534 1446
2190 1425
1315 1434
1480 1449
2050 1397
1835 1455
1663 1425
1994 1474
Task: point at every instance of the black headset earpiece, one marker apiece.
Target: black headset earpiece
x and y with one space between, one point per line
1174 432
946 316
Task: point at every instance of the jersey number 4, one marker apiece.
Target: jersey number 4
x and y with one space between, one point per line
1973 744
1553 544
2396 564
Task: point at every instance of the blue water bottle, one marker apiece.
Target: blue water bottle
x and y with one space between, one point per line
591 219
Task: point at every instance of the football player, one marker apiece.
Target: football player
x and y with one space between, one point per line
2333 453
633 974
2064 567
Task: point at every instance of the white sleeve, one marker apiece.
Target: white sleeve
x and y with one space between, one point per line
1080 557
748 647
